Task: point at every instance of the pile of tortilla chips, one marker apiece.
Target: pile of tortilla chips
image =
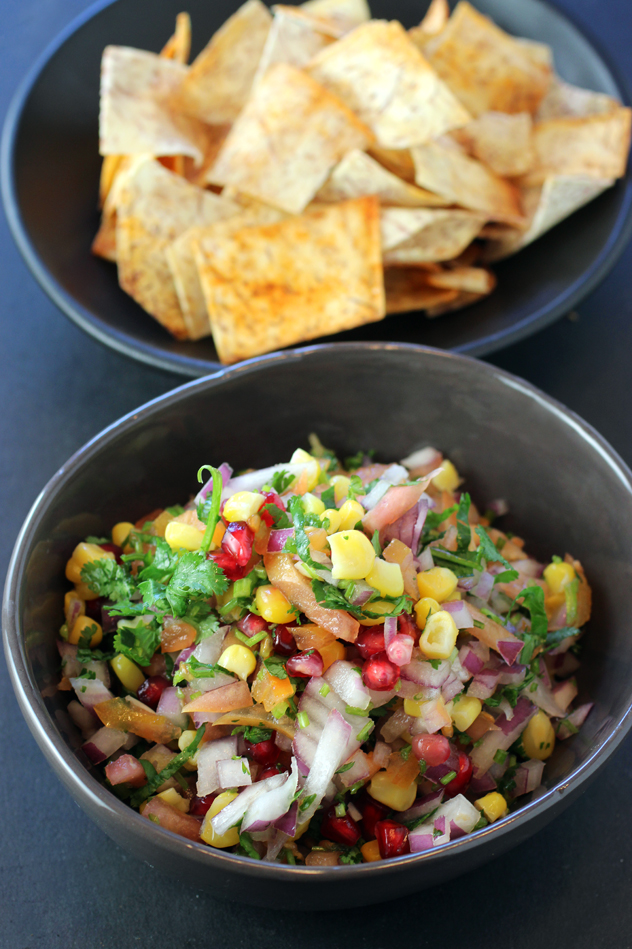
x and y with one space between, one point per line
314 169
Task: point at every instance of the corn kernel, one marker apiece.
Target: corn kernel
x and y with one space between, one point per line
120 532
453 596
424 608
334 518
238 659
82 554
128 673
382 608
370 851
184 741
69 601
171 796
465 711
386 578
538 738
558 576
311 476
161 523
266 647
273 605
208 835
412 707
350 513
84 592
312 504
341 486
392 795
438 583
352 555
82 626
448 479
180 535
439 637
242 505
493 806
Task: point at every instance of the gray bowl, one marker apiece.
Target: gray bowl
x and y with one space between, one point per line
567 489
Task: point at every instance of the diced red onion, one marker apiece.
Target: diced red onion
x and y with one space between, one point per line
422 512
288 821
543 697
576 720
104 743
423 673
423 458
362 593
483 685
170 706
451 687
482 785
470 660
282 741
522 712
460 813
499 507
511 675
564 693
484 586
90 692
272 805
208 756
460 614
375 495
234 812
184 655
510 650
317 707
390 629
424 561
225 472
421 838
483 755
276 843
423 806
528 777
254 480
85 719
359 772
279 538
347 682
203 718
457 670
400 649
433 717
528 567
124 770
393 727
436 772
381 754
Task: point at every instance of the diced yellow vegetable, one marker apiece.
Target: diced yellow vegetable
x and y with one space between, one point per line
382 608
448 479
341 487
310 477
128 672
82 554
266 647
242 505
313 505
333 516
331 652
493 806
171 796
453 596
350 513
398 798
273 605
352 555
438 583
370 851
69 604
412 707
538 738
185 536
439 637
184 741
423 608
161 523
81 627
464 711
238 659
558 576
208 835
386 578
120 532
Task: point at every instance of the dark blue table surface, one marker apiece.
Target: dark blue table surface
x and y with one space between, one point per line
63 883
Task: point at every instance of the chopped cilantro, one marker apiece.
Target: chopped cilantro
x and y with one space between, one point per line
450 776
306 802
328 497
353 462
195 577
154 781
490 553
345 767
93 655
255 734
276 667
375 540
194 669
464 531
365 732
85 636
107 578
175 510
246 844
404 752
480 823
280 481
138 643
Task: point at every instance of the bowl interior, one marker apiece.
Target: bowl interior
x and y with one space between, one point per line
51 173
566 489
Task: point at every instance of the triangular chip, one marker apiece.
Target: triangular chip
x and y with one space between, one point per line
308 276
445 170
595 145
285 142
434 21
564 101
154 207
345 14
501 141
407 289
381 75
398 160
294 37
178 46
220 78
104 243
487 69
136 114
546 205
413 236
540 54
477 280
359 174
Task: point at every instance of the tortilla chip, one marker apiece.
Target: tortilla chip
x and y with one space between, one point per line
109 170
414 236
436 18
214 138
595 145
184 270
488 70
501 141
285 142
136 115
398 160
220 78
344 14
359 174
468 279
294 38
381 75
408 289
462 180
104 243
565 101
540 54
178 47
308 276
154 207
462 299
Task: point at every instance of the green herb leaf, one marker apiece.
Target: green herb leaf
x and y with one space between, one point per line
138 643
253 733
345 767
375 540
195 577
328 497
281 480
463 529
154 782
107 578
276 667
246 844
491 554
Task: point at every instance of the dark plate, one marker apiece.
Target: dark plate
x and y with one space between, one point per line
50 171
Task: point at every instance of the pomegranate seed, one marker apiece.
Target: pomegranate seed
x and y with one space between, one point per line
370 641
271 497
433 749
113 549
151 690
379 673
270 771
463 776
343 830
200 805
264 752
228 564
305 664
252 624
94 608
284 642
238 541
372 812
392 838
406 624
